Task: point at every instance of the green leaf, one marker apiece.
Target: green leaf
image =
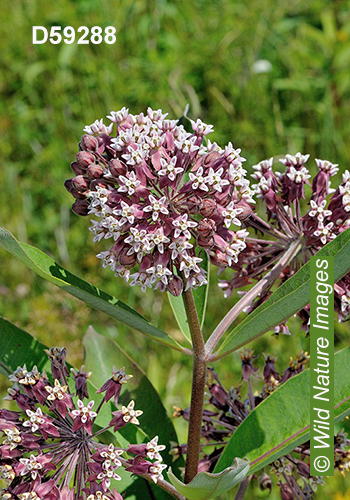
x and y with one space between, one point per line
200 296
282 421
48 269
288 299
206 485
17 348
101 353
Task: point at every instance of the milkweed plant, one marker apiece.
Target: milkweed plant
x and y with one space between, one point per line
166 203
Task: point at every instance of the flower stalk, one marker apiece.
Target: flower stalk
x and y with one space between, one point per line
198 387
247 299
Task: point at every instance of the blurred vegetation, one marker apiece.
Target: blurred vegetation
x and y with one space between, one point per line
167 54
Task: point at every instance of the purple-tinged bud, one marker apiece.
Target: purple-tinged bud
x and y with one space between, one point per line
68 184
175 286
265 482
247 210
208 208
286 492
57 356
206 227
81 207
84 159
303 469
89 143
77 169
81 183
104 140
214 155
94 171
117 167
125 259
194 204
98 183
204 465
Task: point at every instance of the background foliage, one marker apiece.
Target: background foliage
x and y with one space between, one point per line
167 54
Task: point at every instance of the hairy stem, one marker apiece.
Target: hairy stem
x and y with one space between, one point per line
247 299
198 386
243 488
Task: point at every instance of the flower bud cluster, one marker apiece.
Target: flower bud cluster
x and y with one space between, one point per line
162 197
230 410
50 449
282 195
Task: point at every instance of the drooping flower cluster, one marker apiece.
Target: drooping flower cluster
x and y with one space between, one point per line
162 196
327 217
50 449
227 411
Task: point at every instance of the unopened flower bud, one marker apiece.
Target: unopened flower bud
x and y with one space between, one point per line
208 208
94 171
89 143
81 207
286 492
77 169
116 168
194 204
206 227
265 482
68 184
98 183
211 157
303 469
84 159
247 210
81 183
175 286
125 259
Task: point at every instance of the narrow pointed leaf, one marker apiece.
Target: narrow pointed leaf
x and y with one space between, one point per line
200 296
288 299
206 485
282 421
48 269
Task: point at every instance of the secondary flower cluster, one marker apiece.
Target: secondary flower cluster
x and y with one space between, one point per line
228 411
282 195
50 450
162 196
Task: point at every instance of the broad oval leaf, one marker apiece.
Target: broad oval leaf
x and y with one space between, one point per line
282 421
206 485
48 269
17 347
101 353
287 300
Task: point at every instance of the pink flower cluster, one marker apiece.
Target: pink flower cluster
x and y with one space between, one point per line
283 195
50 448
162 196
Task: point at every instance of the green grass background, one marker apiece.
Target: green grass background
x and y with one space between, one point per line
167 54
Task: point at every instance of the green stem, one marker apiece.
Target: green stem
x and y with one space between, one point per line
198 386
243 488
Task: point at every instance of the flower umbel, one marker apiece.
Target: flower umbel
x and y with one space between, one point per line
282 195
49 450
155 189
